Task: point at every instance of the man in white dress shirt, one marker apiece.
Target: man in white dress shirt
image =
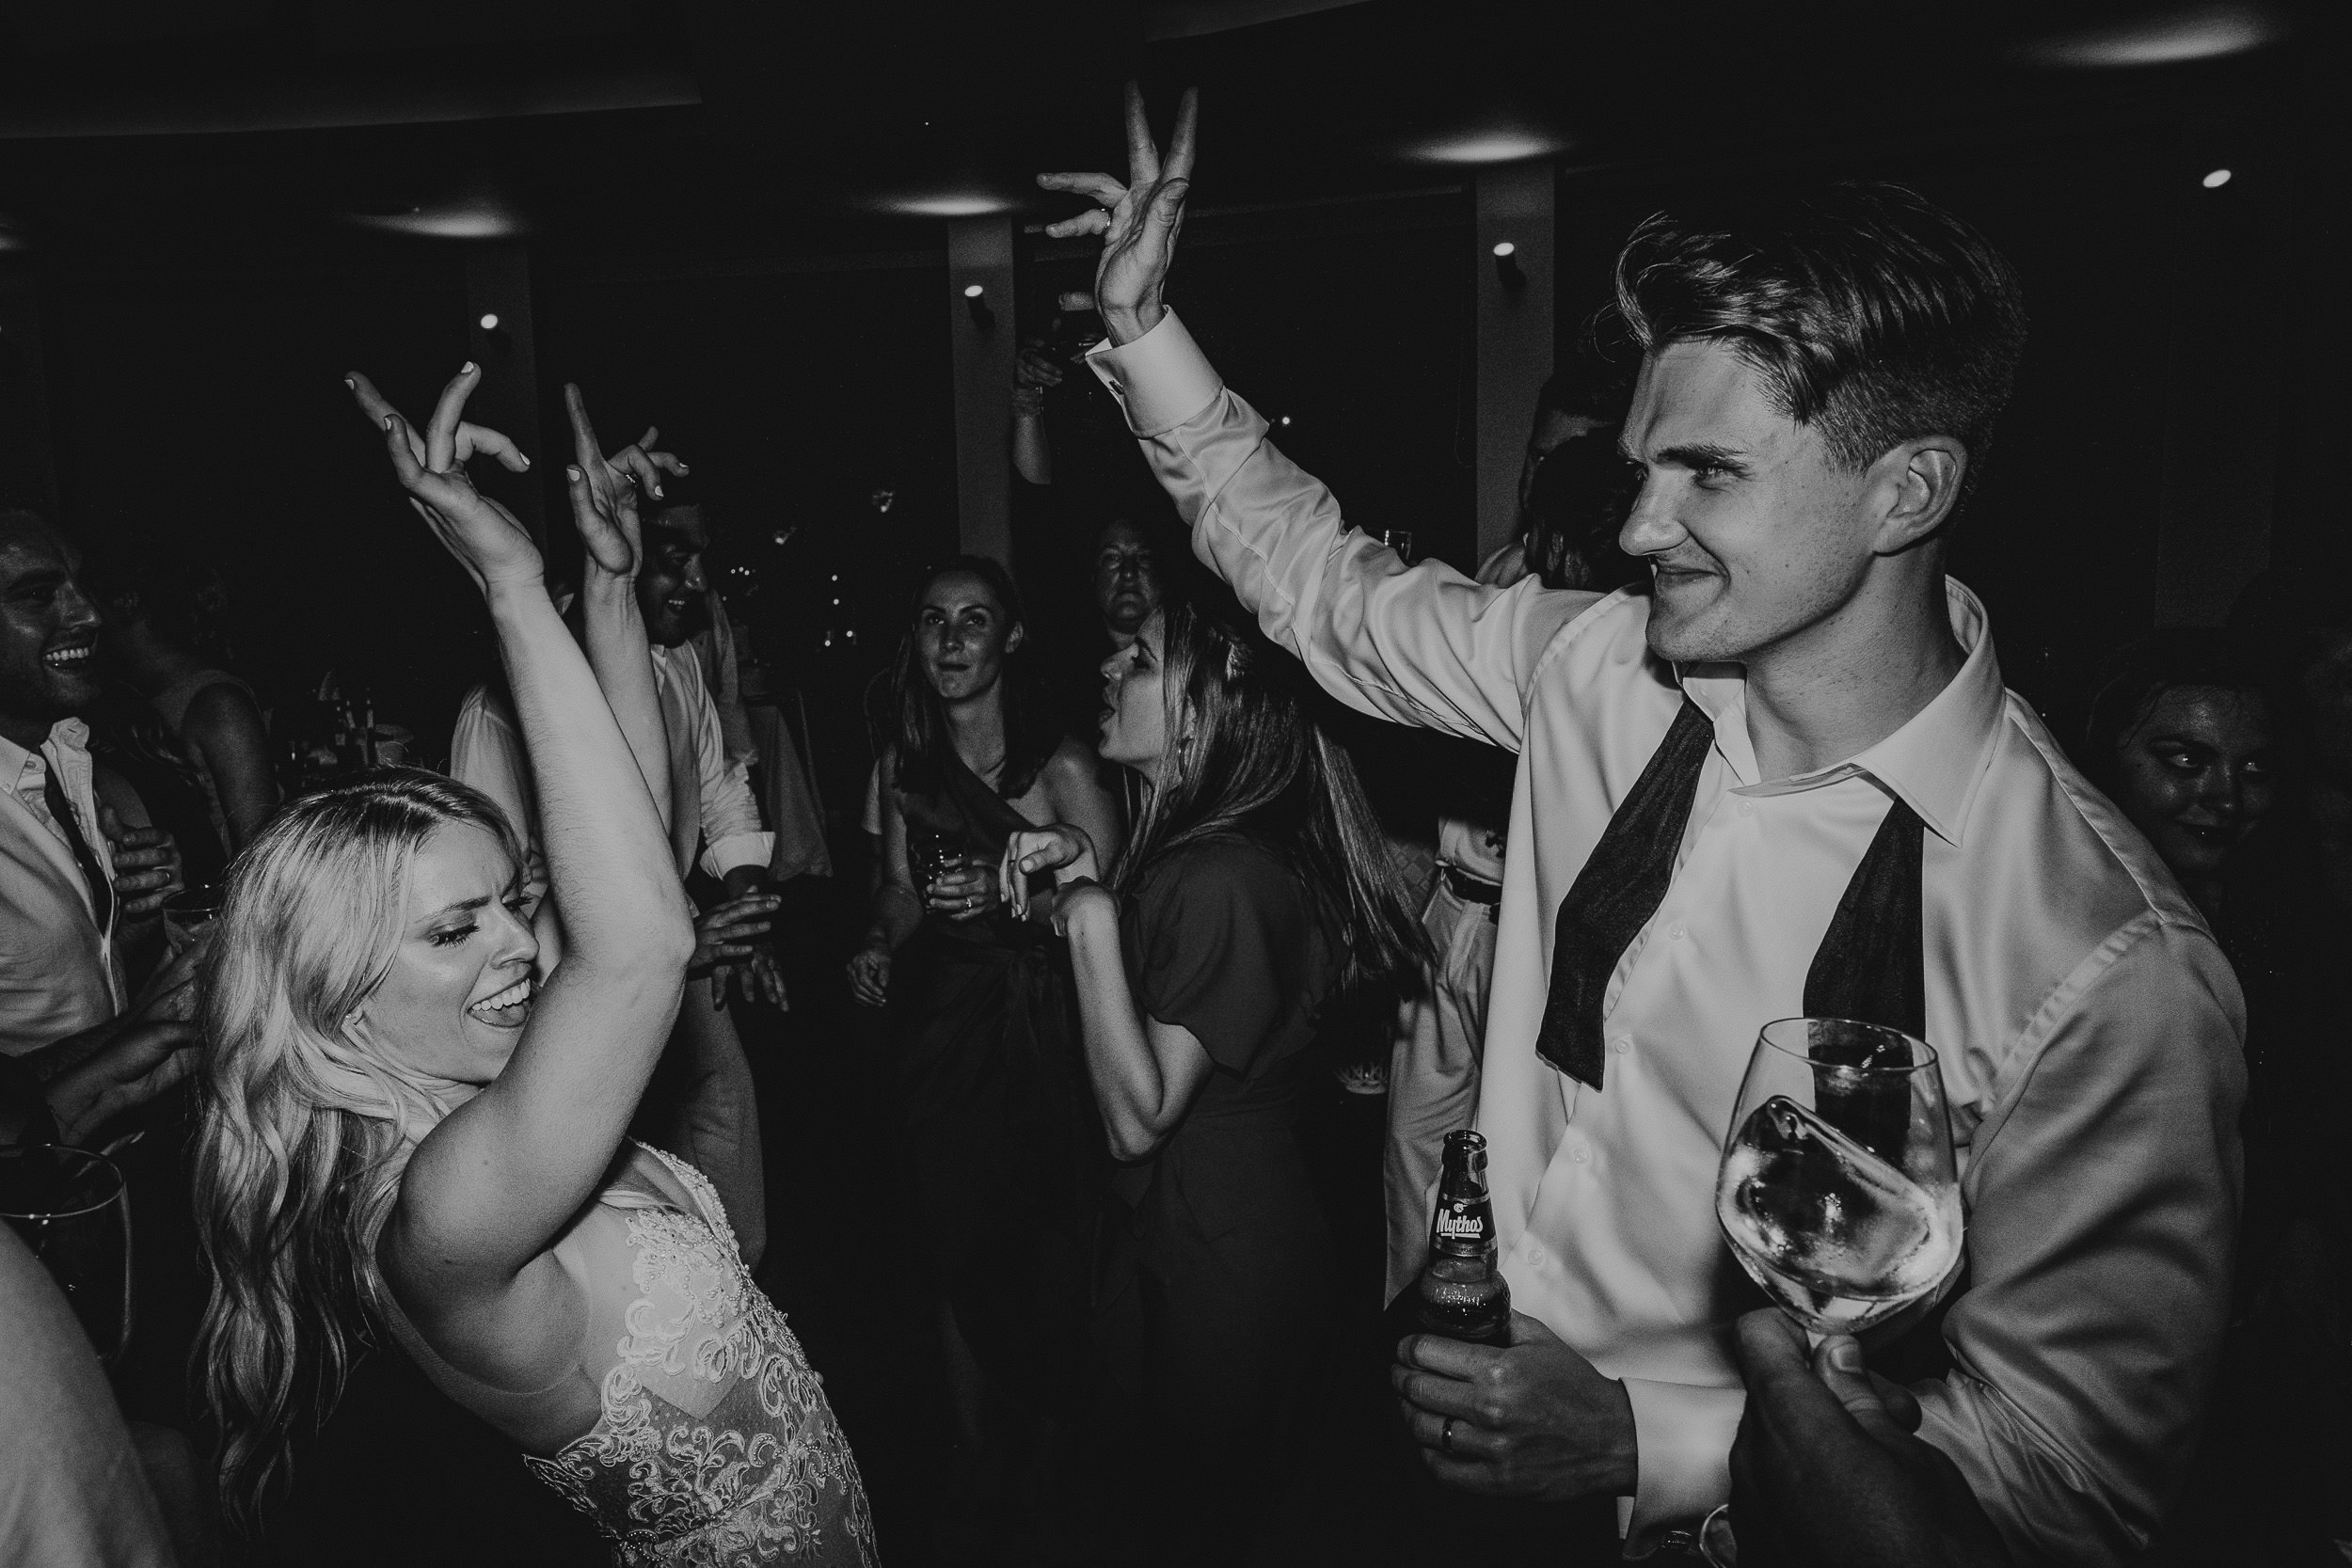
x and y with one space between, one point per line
83 875
1816 390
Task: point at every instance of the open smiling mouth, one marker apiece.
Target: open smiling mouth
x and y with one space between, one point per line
508 1008
78 660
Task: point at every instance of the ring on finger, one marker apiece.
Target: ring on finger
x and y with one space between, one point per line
1445 1435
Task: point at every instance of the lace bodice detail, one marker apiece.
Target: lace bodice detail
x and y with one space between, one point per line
716 1448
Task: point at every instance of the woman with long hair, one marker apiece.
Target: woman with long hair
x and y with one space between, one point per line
1250 903
991 1087
405 1137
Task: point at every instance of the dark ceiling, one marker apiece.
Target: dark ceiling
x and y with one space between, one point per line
810 128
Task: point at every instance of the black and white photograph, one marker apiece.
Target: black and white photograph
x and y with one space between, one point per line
1175 783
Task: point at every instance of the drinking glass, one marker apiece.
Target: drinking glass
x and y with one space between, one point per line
192 909
930 853
1838 1190
1401 540
74 1212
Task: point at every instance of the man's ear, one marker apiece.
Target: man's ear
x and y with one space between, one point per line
1013 638
1919 481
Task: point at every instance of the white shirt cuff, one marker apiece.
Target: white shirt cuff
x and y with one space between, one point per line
1683 1436
1162 379
722 855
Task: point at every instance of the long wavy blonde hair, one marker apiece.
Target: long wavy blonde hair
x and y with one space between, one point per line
305 1132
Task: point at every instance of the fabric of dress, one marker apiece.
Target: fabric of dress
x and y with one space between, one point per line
1217 1279
1000 1123
715 1447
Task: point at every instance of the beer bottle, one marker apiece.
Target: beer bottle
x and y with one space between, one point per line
1462 1294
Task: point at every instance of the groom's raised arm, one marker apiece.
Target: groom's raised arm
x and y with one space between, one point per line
1421 645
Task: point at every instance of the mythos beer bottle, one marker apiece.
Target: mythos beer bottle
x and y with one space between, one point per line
1462 1295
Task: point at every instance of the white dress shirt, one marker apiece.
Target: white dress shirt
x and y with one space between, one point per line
710 791
60 970
2088 1029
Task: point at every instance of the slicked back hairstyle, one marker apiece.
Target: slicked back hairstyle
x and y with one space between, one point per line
1867 312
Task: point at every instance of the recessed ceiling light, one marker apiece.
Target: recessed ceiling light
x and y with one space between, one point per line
467 218
1485 147
973 291
969 204
1504 248
490 320
2217 178
2168 36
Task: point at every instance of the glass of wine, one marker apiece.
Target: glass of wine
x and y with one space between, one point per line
74 1212
1837 1189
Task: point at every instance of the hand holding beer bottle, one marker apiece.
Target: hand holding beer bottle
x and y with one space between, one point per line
1499 1404
1461 1295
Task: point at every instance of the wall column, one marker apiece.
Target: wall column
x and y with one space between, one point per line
979 250
498 284
1513 205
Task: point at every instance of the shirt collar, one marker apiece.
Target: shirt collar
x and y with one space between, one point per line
68 733
1933 763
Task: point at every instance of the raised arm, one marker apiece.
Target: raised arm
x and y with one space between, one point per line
1422 646
490 1189
604 508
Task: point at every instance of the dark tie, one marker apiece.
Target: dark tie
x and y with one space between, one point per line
1870 964
101 890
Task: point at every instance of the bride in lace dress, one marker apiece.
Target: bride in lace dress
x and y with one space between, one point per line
406 1134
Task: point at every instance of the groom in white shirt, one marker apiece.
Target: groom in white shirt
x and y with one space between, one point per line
1817 388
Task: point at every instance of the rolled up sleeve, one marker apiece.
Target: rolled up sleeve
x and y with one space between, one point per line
1422 646
2102 1197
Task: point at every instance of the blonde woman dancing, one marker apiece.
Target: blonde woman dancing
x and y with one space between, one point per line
404 1136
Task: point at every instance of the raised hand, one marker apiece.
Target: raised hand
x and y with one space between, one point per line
484 537
604 490
1139 220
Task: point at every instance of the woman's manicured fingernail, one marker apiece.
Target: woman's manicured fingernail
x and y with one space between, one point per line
353 385
466 369
388 422
1846 1355
571 472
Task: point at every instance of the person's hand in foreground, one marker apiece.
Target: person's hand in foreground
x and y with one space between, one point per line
1139 220
1827 1472
1532 1420
146 865
869 973
725 949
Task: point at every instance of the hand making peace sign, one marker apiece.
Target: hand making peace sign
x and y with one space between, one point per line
484 536
1138 221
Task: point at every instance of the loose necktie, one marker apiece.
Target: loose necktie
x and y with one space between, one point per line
1871 965
102 888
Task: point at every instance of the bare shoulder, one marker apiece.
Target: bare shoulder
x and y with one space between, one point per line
1073 771
223 703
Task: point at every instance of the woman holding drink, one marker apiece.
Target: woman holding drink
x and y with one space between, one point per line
988 1079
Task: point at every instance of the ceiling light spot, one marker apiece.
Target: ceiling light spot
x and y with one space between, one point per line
1504 248
2166 38
950 204
1486 147
490 320
2217 178
973 291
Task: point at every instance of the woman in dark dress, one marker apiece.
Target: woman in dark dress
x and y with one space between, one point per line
1250 902
991 1087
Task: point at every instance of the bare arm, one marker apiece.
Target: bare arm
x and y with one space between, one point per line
1145 1072
613 628
225 728
896 906
491 1187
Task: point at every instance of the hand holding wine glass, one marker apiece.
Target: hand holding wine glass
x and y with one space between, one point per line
1838 1190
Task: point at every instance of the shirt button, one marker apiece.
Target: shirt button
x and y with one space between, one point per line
1747 808
1622 1044
1532 1252
1580 1154
1675 931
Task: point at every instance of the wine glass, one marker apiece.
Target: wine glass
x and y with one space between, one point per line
74 1212
1838 1190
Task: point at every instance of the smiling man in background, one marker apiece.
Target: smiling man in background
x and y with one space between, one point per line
1791 783
83 875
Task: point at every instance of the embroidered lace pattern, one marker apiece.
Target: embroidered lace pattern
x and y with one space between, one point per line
763 1475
